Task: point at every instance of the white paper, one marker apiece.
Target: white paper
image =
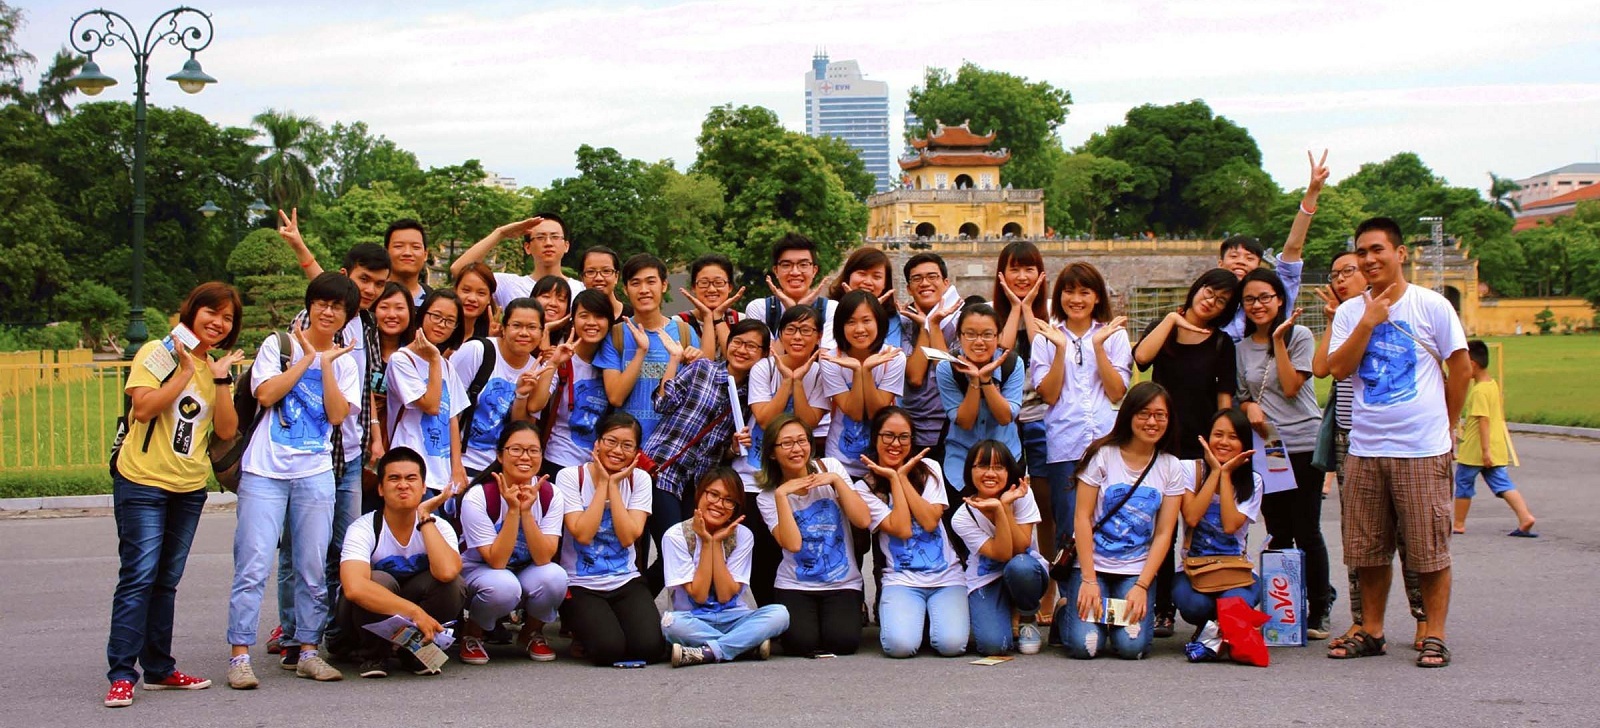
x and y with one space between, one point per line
938 355
187 337
738 413
161 362
403 632
1275 481
1114 612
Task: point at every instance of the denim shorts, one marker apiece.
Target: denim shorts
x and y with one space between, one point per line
1496 477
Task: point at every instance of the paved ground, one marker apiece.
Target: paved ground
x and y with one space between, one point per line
1521 639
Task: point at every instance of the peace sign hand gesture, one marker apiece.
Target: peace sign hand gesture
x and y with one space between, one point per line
1319 173
289 229
1330 302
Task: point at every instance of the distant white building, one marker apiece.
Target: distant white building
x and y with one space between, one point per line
841 103
490 179
1556 182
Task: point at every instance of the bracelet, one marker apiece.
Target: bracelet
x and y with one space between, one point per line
225 381
1304 211
308 264
426 521
1141 586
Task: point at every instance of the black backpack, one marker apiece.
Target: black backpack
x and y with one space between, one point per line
775 312
480 379
226 455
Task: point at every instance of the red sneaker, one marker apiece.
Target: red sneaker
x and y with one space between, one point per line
539 648
275 640
120 695
177 681
473 652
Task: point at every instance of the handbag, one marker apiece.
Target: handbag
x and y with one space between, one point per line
1216 574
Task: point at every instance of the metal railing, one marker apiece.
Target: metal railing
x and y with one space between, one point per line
58 410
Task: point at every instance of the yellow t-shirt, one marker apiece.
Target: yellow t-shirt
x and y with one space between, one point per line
1483 400
176 459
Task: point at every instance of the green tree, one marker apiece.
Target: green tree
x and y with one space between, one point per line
97 309
605 203
1500 189
1023 114
32 231
774 182
352 157
846 162
289 157
361 215
457 208
682 217
12 57
1087 189
1170 148
269 277
1231 197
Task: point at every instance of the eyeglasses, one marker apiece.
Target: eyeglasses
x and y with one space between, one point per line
990 467
1342 273
894 438
547 237
1262 299
518 452
326 306
924 278
800 331
1150 416
715 284
1077 352
522 327
786 266
1211 295
612 443
743 345
725 501
599 272
793 443
441 319
987 337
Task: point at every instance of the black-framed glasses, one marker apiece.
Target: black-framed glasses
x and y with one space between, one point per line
441 319
1262 299
1334 276
894 438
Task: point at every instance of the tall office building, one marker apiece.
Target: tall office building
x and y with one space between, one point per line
840 103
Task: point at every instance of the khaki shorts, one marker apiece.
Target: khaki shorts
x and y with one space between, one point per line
1411 497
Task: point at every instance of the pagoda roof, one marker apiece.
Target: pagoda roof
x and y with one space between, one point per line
953 136
940 158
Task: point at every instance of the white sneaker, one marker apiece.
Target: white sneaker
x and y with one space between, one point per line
1028 640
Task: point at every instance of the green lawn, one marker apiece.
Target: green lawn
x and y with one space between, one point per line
1547 379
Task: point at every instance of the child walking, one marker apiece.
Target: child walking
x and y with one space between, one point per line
1483 446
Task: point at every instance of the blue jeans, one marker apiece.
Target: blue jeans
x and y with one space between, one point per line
1198 608
1064 500
1086 640
1021 585
263 505
903 610
1496 478
728 634
1035 447
154 530
346 509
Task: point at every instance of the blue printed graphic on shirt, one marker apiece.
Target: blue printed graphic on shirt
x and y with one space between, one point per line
520 555
1389 367
400 566
823 557
854 437
753 453
1127 535
923 552
493 404
299 422
1209 539
604 555
987 566
436 428
589 404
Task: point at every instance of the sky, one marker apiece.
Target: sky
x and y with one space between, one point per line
1471 86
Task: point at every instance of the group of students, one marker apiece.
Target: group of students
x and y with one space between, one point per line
521 445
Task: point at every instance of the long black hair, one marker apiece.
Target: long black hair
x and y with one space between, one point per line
1244 477
1220 279
1138 397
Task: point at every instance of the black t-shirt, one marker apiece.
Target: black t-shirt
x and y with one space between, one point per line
1194 374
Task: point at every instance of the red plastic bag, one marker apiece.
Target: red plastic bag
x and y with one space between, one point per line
1240 626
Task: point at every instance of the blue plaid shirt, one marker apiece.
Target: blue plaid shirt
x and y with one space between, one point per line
688 402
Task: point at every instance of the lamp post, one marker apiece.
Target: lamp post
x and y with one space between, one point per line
92 31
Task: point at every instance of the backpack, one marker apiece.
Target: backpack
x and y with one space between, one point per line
480 379
775 312
491 500
226 455
125 423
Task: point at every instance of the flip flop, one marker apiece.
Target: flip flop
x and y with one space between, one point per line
1519 533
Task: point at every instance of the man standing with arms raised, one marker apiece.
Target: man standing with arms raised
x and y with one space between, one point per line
1397 340
544 238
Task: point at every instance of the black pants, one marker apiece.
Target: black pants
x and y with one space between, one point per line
666 512
1294 520
441 600
617 625
821 621
765 555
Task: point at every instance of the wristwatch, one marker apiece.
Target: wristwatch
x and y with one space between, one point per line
223 380
425 521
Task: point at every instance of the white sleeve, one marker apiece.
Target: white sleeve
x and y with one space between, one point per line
567 490
477 529
739 561
466 360
675 559
968 530
551 521
639 491
266 364
447 531
1178 474
348 372
836 379
1025 510
933 491
1120 351
767 504
1094 472
875 505
1448 337
763 382
1251 507
757 310
458 391
1044 357
890 376
358 540
1344 322
404 379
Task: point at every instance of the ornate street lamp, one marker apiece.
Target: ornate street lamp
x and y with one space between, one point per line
92 31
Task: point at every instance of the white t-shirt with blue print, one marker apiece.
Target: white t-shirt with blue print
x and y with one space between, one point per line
926 560
827 558
604 563
641 401
494 402
1207 538
680 565
1399 409
428 434
763 388
848 438
581 405
1122 545
388 554
975 529
477 531
294 439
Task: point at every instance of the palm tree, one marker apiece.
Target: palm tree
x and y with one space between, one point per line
50 99
1500 189
289 157
12 57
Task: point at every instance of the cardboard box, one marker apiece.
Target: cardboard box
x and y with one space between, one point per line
1283 597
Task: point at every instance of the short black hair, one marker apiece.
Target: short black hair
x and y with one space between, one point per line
401 454
794 241
616 260
1336 256
642 261
921 258
747 325
709 259
552 217
336 288
458 333
846 310
524 303
1478 352
594 302
1251 246
371 256
547 284
1387 225
404 223
1217 279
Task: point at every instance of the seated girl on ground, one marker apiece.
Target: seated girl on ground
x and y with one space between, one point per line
1217 512
1005 571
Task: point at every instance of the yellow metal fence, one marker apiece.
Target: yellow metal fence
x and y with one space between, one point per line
58 410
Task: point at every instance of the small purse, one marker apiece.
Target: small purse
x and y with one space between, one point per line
1216 574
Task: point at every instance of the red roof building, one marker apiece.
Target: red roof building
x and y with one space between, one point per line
1545 211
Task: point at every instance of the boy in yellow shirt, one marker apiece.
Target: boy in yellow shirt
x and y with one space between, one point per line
1483 446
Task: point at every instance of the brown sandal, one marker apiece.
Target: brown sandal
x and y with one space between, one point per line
1359 644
